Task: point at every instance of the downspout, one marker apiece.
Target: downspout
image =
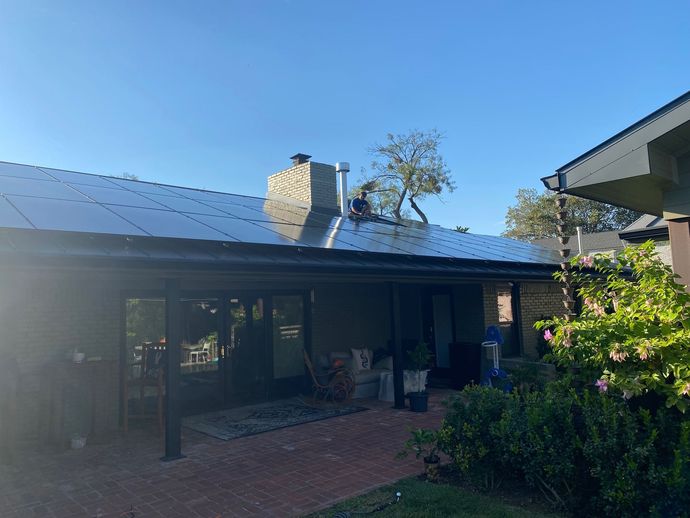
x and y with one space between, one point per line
579 239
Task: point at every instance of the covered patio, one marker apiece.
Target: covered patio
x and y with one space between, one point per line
288 472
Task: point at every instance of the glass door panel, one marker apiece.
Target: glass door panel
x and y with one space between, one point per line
246 346
200 355
288 336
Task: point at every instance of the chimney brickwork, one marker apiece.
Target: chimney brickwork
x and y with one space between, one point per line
310 182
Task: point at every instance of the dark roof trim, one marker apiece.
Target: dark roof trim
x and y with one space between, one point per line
647 233
630 129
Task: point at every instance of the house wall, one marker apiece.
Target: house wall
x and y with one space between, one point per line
43 318
346 316
537 300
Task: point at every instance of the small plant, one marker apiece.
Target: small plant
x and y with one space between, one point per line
424 443
420 357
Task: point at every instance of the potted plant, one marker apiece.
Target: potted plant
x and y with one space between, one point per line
424 443
420 357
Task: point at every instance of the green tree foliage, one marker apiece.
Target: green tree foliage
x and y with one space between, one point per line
534 216
406 167
634 328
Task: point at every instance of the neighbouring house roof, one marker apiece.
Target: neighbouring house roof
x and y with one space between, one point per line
636 168
64 214
591 243
645 227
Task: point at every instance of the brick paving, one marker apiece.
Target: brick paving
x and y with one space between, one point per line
287 472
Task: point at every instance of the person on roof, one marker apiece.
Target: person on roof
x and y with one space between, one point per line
360 206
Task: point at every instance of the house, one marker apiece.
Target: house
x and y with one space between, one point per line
98 271
607 242
611 242
645 167
648 227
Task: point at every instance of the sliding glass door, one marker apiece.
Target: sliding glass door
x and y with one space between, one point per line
289 342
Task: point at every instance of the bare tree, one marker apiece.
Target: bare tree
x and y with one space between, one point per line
407 167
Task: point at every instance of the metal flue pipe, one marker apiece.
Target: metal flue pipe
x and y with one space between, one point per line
342 168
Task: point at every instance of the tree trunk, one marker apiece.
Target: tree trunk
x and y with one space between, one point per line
398 205
418 210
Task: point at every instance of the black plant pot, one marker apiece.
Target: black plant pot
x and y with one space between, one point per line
431 468
418 401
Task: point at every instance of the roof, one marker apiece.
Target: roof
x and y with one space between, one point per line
54 201
638 167
594 242
645 227
665 109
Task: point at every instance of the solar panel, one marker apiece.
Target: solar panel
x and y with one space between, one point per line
79 178
74 216
22 171
41 188
11 217
118 197
53 199
167 223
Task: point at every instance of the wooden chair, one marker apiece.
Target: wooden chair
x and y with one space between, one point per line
340 386
149 373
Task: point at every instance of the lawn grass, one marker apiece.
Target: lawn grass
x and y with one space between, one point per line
421 499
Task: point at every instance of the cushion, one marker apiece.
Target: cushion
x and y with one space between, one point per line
361 359
368 376
384 363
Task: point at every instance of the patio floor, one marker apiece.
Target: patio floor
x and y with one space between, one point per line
287 472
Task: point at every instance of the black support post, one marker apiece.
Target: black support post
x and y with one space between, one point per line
396 338
173 338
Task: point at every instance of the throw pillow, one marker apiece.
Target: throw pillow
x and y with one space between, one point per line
362 359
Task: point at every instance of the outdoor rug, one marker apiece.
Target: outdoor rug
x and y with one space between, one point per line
249 420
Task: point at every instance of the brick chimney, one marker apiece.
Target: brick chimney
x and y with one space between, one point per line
306 183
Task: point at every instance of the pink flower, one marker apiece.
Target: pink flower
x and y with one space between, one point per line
617 355
602 385
587 261
547 335
643 351
567 342
686 390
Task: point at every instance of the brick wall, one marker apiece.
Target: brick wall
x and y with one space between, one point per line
43 318
310 182
538 300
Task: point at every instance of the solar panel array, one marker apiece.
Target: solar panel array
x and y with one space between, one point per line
56 200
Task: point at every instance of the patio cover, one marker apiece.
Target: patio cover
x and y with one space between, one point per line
645 167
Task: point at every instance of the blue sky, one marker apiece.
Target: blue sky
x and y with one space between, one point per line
219 94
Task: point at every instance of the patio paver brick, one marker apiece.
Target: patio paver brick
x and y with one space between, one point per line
287 472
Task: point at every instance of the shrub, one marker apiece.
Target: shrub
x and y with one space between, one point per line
634 329
538 437
588 452
466 433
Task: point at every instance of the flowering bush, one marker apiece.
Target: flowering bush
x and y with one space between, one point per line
634 328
